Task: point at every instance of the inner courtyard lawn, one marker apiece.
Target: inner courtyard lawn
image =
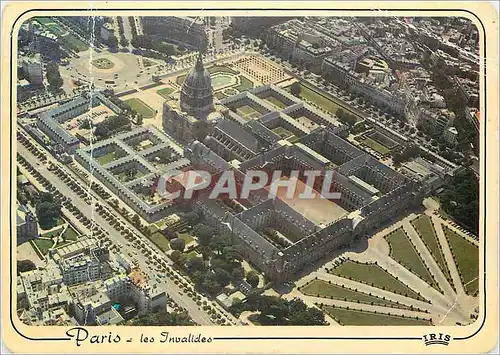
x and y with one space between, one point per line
275 101
106 158
140 107
376 146
326 290
466 258
357 317
371 273
403 251
425 229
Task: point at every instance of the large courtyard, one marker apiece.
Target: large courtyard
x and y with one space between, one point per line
318 209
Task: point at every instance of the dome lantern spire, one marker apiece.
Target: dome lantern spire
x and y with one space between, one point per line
199 63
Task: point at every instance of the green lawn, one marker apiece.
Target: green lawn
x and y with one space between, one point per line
282 132
106 158
43 245
140 107
191 254
53 233
160 241
247 111
326 290
357 317
187 237
221 69
314 96
275 101
124 177
245 84
372 273
165 92
74 43
71 234
466 258
376 146
425 229
403 251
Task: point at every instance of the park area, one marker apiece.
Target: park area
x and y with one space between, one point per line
466 256
357 317
424 228
102 63
374 275
68 39
403 251
321 288
140 107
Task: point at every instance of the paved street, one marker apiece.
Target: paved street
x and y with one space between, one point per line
172 290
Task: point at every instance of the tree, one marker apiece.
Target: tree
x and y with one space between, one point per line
112 42
223 277
123 42
54 76
295 89
195 264
136 219
140 120
209 283
25 265
47 210
237 272
178 257
252 278
219 242
170 233
204 233
177 244
85 124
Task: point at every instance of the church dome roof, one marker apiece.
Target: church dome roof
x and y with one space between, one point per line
197 92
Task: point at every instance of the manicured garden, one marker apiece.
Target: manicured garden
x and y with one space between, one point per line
376 146
106 158
245 84
140 107
160 241
375 276
165 92
321 288
221 69
423 225
103 63
357 317
317 98
42 245
404 252
466 256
